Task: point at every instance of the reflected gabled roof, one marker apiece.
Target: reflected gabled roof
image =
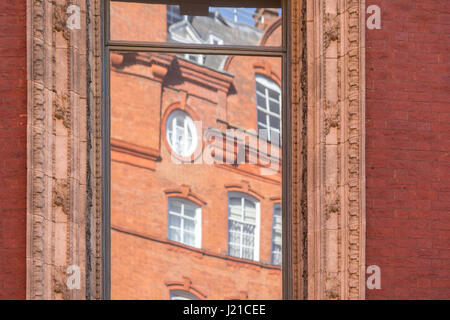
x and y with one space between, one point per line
202 29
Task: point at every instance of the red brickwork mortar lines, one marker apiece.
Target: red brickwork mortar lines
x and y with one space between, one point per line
408 149
13 155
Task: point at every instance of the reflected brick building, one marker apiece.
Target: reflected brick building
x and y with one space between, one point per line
172 228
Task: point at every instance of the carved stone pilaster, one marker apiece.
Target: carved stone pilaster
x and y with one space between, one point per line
336 203
298 157
59 187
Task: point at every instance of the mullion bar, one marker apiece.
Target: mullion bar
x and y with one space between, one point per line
238 51
194 46
284 24
107 18
286 147
213 3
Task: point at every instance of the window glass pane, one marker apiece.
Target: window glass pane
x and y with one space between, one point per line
175 234
275 122
192 178
174 221
262 118
250 212
180 123
247 254
261 101
260 89
175 206
274 95
235 208
194 24
248 241
189 225
274 107
189 211
234 250
189 239
275 136
249 228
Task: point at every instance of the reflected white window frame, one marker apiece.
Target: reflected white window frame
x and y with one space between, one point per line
173 14
268 84
213 39
182 295
197 58
277 211
244 197
197 220
189 124
194 37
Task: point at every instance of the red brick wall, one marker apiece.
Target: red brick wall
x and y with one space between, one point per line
408 149
13 110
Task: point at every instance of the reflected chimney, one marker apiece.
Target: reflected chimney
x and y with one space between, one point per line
265 16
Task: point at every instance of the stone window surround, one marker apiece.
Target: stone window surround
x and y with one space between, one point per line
326 195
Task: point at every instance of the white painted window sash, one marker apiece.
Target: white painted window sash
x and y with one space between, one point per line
197 220
242 223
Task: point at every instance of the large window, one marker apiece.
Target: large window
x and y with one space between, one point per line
185 222
190 181
243 226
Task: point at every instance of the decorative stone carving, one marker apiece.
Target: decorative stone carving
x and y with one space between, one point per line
60 217
331 29
59 284
332 117
60 110
336 208
60 18
60 195
297 205
332 202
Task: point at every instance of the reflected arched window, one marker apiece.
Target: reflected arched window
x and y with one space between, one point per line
185 222
181 133
243 226
182 295
268 103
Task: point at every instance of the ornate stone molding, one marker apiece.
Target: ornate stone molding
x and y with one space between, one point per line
336 187
63 150
296 195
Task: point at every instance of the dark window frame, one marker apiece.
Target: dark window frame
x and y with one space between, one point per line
282 52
